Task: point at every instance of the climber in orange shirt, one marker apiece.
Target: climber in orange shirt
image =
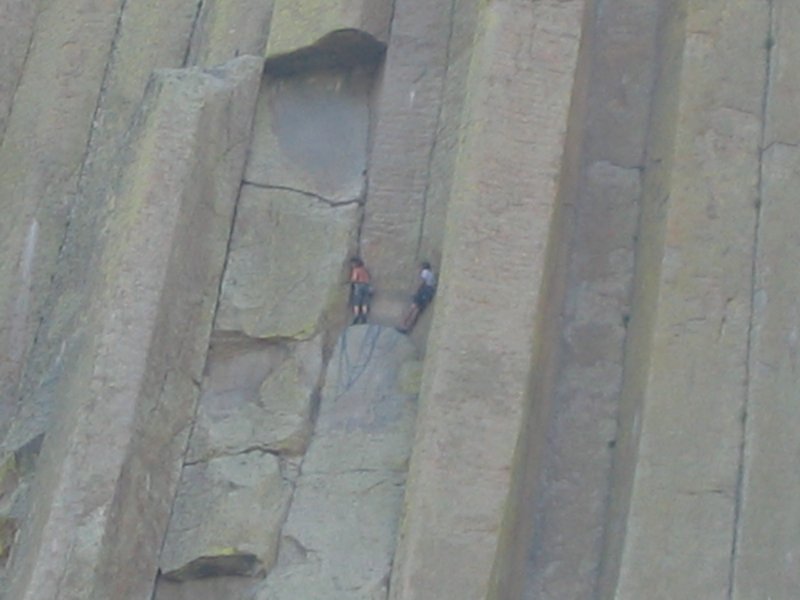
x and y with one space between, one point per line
360 290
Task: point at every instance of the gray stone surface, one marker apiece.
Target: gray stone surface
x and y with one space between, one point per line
226 519
17 18
108 471
261 398
45 141
564 551
767 560
226 30
311 134
339 538
213 588
681 524
167 26
286 269
481 344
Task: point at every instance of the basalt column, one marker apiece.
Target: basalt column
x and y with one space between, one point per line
406 135
505 182
690 375
109 468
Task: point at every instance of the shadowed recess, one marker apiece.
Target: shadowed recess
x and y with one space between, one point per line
343 48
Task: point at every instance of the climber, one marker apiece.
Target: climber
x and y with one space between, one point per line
422 297
360 290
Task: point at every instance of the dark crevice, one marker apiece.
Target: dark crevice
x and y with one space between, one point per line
193 31
749 358
80 171
434 145
286 188
344 48
22 68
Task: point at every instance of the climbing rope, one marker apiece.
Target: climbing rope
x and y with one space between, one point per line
350 370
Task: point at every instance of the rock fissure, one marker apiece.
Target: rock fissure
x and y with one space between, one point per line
330 202
23 65
432 152
242 452
754 289
192 33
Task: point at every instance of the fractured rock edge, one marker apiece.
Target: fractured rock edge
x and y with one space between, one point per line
156 289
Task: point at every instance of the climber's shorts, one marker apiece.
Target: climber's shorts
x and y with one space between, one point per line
424 296
360 295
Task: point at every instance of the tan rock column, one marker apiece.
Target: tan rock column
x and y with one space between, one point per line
17 18
108 471
768 547
167 27
227 29
40 157
481 345
681 521
409 105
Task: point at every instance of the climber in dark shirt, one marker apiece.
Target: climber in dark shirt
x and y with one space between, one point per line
422 297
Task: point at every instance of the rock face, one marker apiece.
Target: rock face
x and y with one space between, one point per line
298 24
473 388
350 490
227 518
286 265
406 127
601 400
242 409
164 249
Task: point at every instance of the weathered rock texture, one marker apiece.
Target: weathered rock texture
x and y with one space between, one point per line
259 397
766 550
569 453
280 302
685 493
129 67
338 540
607 376
114 457
299 24
286 264
226 518
46 134
476 366
406 128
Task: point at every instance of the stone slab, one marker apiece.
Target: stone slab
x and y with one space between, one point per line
311 134
226 519
167 26
258 400
339 538
108 470
570 470
286 269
